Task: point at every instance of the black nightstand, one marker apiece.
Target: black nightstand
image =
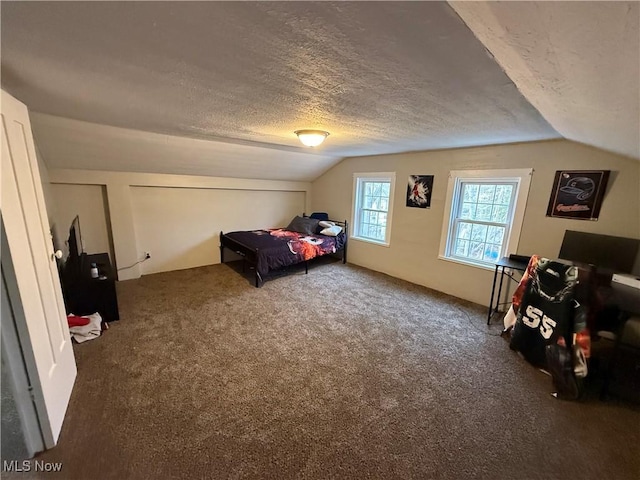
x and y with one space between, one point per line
85 295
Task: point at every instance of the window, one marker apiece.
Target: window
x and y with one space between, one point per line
372 206
483 215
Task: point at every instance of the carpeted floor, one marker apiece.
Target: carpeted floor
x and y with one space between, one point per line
342 373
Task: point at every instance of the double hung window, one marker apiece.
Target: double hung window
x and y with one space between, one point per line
483 215
373 206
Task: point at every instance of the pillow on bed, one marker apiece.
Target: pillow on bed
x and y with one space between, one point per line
320 215
304 225
326 224
332 231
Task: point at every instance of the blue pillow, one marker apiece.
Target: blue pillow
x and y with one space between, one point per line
320 215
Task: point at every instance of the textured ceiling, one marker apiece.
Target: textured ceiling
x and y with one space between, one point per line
578 63
380 76
87 146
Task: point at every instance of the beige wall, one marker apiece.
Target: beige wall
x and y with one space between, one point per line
181 226
176 217
415 235
46 185
63 202
89 203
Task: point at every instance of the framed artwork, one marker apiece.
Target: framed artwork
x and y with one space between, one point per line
419 191
578 194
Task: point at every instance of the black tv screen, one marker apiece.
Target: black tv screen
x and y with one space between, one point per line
605 252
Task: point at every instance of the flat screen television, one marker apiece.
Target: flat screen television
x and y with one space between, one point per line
605 252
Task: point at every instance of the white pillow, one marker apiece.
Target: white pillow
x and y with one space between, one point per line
326 224
331 231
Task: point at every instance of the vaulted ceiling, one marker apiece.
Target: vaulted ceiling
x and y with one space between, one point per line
237 78
578 63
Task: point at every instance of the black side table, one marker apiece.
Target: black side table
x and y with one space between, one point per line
86 295
503 264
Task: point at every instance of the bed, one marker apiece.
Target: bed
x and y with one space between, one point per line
273 249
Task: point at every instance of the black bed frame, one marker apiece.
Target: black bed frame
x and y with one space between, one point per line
250 255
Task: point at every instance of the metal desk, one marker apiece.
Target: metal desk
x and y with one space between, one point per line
502 265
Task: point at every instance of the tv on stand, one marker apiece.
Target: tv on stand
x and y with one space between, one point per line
84 294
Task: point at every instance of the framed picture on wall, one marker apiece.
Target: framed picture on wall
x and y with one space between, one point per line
578 194
419 191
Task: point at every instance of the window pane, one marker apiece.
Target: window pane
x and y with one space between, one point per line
382 219
368 188
495 235
491 252
476 250
366 216
503 194
384 204
368 201
462 248
500 213
470 193
483 212
464 230
486 193
386 188
468 211
373 217
479 233
372 188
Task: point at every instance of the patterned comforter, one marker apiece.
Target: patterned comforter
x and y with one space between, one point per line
278 248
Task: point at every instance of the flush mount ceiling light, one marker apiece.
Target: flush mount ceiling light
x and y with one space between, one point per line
311 138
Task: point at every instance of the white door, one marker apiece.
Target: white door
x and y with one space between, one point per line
36 276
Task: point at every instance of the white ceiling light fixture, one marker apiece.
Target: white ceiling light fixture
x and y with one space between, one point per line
311 138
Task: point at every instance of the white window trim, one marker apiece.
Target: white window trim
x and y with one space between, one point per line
522 177
373 176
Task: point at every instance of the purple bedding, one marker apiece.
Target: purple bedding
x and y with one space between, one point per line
278 248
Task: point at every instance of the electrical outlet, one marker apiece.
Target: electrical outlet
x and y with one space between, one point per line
147 255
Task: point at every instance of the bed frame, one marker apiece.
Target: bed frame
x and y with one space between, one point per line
250 255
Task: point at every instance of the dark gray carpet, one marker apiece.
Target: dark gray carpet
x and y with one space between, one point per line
342 373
